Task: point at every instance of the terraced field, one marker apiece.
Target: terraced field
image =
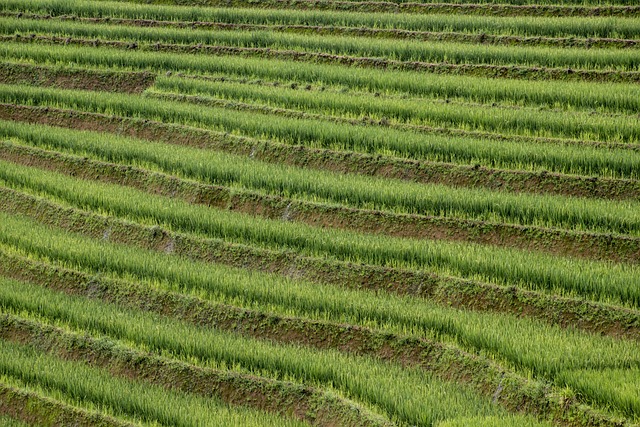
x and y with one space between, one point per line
320 212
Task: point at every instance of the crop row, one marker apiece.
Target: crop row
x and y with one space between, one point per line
377 383
538 271
478 70
303 191
602 27
220 168
621 386
328 160
285 399
457 118
605 97
505 120
443 290
449 291
125 397
429 355
549 349
562 242
68 347
578 160
33 403
394 50
249 261
352 339
520 136
503 10
595 279
378 33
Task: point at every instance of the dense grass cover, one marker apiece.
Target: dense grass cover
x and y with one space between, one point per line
419 111
383 384
492 422
351 190
619 388
126 397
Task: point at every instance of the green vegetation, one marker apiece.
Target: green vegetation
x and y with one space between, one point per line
372 4
616 388
151 403
604 96
456 53
230 235
351 190
548 350
549 27
417 111
493 422
11 422
580 160
376 382
601 281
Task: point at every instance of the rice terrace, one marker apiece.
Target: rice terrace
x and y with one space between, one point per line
320 213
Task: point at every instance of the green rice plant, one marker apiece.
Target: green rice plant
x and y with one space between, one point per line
594 26
124 396
504 120
548 349
319 186
617 389
373 4
406 395
495 422
41 402
560 158
400 50
597 280
7 421
568 95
